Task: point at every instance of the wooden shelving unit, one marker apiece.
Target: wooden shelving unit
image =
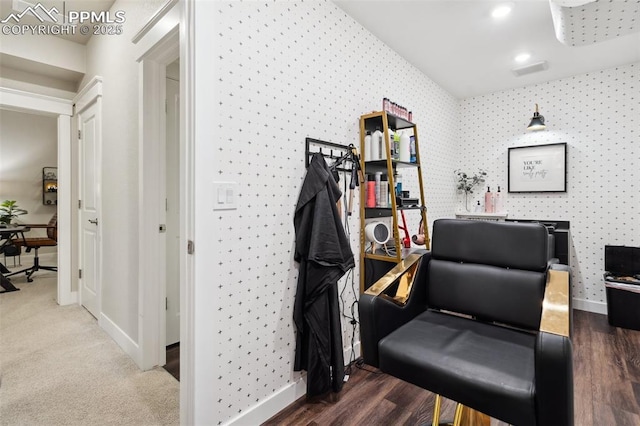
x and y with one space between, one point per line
49 186
385 122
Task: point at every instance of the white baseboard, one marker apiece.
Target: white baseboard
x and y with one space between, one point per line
280 400
73 299
130 347
347 352
590 306
269 407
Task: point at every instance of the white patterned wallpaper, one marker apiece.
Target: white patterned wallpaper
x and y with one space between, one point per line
287 71
596 114
595 21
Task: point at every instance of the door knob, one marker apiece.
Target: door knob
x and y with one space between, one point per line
95 222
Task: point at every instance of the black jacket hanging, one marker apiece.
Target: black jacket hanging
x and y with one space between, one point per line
323 251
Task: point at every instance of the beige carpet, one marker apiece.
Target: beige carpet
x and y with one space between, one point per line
57 367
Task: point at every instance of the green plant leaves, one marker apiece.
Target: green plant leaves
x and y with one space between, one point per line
466 182
9 210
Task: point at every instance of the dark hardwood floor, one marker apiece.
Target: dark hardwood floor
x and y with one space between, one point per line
173 360
606 387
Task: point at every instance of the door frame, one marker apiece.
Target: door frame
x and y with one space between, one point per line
91 93
151 251
168 35
172 226
34 103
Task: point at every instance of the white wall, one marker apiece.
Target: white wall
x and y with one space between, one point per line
269 75
28 142
20 79
596 114
113 58
44 49
41 64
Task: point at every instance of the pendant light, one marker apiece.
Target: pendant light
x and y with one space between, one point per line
537 122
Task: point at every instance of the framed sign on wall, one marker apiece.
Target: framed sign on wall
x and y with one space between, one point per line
538 168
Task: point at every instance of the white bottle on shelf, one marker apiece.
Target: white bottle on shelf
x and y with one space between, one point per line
497 202
383 146
384 191
378 180
376 141
405 150
367 146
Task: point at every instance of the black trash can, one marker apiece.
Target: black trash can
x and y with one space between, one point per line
622 283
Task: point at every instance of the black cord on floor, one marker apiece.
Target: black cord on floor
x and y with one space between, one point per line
360 365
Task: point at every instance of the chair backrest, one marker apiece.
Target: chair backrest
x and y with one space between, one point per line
494 271
52 230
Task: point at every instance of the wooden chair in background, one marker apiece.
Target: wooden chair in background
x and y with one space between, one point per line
35 243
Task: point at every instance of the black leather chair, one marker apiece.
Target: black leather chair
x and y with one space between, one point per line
486 323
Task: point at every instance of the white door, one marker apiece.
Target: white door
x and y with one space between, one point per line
89 123
172 207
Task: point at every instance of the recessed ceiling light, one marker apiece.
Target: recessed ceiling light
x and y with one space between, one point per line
501 11
522 57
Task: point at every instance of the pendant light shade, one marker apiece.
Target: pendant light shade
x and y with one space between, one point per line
537 122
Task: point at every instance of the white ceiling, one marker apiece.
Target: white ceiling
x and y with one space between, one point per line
461 47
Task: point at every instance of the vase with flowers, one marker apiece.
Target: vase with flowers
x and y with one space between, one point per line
466 183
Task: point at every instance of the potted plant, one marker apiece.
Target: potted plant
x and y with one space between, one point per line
467 182
9 211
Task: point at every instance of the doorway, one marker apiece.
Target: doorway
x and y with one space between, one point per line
89 115
167 36
161 190
62 109
172 218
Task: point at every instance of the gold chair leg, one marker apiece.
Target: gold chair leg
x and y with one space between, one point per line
471 417
436 410
457 418
464 416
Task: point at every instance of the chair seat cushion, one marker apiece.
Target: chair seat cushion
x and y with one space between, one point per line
35 242
483 366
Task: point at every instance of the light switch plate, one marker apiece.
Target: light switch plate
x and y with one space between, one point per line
225 195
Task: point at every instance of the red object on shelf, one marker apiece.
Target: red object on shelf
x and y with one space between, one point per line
371 193
406 241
